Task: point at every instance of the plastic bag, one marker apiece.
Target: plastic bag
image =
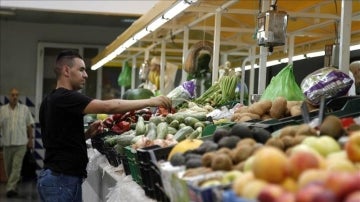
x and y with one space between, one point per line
182 93
124 79
328 81
283 85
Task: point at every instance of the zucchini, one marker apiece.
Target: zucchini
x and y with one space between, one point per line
151 134
182 133
179 117
162 130
175 124
171 130
140 126
156 119
124 140
199 124
191 121
195 134
169 118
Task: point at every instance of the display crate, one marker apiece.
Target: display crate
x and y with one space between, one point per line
97 142
124 161
133 164
111 156
150 174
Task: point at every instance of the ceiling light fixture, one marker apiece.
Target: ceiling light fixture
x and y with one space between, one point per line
158 22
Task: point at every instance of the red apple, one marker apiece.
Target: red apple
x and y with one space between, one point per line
270 164
353 197
309 192
312 176
287 197
270 193
352 147
301 161
342 183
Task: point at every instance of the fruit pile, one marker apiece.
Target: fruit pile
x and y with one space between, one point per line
298 163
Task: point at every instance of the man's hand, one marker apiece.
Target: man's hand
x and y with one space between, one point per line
94 128
30 144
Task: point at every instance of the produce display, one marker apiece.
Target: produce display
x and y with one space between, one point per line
211 157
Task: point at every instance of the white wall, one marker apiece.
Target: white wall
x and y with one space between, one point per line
18 48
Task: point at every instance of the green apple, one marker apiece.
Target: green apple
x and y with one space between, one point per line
325 145
230 176
248 164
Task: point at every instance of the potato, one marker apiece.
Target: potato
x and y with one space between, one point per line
261 107
295 110
278 108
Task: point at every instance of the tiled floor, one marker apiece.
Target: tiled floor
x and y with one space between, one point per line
27 192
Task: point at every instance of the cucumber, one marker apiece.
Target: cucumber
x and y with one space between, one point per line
179 117
199 124
151 134
182 133
162 130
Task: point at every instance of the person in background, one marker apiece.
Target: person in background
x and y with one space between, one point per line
16 123
354 74
169 77
62 128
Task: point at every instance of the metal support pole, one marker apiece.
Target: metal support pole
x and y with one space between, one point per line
345 35
133 72
162 67
184 74
216 51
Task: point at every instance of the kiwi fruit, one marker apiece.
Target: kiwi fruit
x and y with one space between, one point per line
305 129
275 142
221 162
241 153
246 141
288 141
207 159
332 126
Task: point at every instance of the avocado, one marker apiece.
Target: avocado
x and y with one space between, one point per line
229 142
178 159
261 135
241 131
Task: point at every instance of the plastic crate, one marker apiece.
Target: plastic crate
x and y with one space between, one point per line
124 161
133 164
112 156
97 142
148 158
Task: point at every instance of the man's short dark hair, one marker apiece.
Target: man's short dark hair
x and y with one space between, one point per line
69 54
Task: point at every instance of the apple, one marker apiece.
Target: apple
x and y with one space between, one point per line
241 181
352 147
252 189
286 197
341 164
270 193
342 183
230 176
310 192
301 161
248 164
323 144
312 176
353 197
289 184
270 164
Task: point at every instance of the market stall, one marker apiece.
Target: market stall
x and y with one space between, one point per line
214 147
